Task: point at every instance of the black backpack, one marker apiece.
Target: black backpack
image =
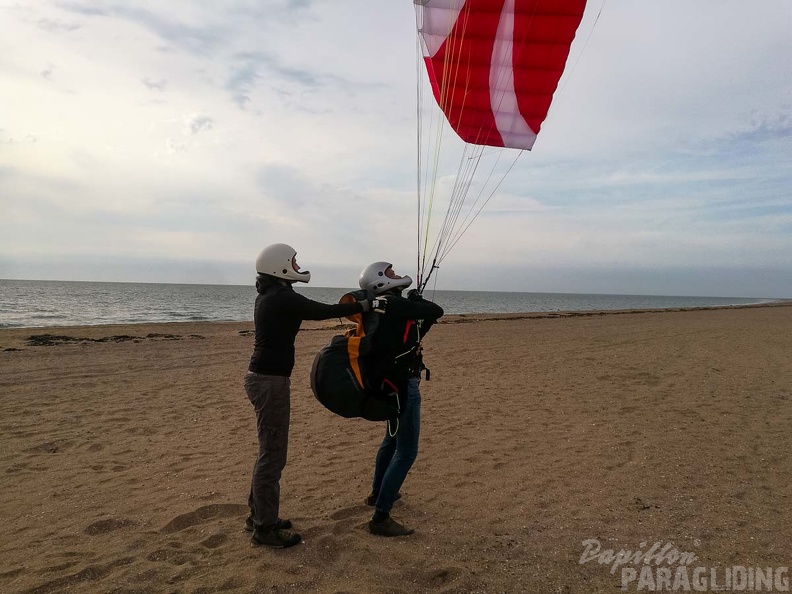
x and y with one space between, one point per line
338 376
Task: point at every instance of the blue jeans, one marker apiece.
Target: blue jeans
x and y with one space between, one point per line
397 454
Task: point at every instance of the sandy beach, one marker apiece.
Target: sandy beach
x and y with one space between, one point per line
125 457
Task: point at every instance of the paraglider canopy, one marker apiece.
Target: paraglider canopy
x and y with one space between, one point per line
495 64
493 67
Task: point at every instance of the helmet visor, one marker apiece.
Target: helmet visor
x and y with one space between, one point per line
296 267
389 272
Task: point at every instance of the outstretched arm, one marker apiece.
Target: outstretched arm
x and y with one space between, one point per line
415 307
309 309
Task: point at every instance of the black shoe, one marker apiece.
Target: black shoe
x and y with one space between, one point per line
389 527
371 500
275 538
280 524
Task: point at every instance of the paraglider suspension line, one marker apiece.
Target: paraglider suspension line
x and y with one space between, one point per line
422 284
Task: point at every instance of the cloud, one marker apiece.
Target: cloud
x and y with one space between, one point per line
199 123
294 120
761 129
285 185
174 147
21 138
84 9
299 4
194 39
56 26
249 69
241 82
155 85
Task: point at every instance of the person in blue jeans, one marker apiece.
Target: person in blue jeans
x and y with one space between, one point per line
396 356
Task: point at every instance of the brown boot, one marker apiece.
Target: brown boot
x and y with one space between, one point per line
389 527
275 538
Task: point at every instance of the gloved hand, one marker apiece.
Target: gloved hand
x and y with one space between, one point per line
414 294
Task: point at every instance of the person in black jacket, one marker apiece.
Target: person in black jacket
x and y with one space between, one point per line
278 313
396 358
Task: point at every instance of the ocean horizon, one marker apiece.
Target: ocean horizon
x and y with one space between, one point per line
40 304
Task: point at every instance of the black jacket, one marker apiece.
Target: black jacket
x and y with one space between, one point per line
278 315
395 354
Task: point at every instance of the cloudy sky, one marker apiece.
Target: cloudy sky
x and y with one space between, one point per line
171 141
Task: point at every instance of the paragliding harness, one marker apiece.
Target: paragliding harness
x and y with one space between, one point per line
341 379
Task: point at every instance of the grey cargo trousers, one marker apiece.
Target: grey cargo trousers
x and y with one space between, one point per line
270 396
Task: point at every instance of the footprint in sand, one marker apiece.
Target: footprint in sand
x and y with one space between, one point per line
49 447
440 576
170 556
349 512
215 540
60 567
80 580
348 518
203 515
18 467
109 525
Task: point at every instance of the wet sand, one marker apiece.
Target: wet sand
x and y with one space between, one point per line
125 457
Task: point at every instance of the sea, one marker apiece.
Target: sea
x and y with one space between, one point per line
39 304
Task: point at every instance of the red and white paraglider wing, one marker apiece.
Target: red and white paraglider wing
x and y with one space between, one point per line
495 64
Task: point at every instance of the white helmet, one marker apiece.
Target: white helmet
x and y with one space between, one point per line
379 277
280 260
